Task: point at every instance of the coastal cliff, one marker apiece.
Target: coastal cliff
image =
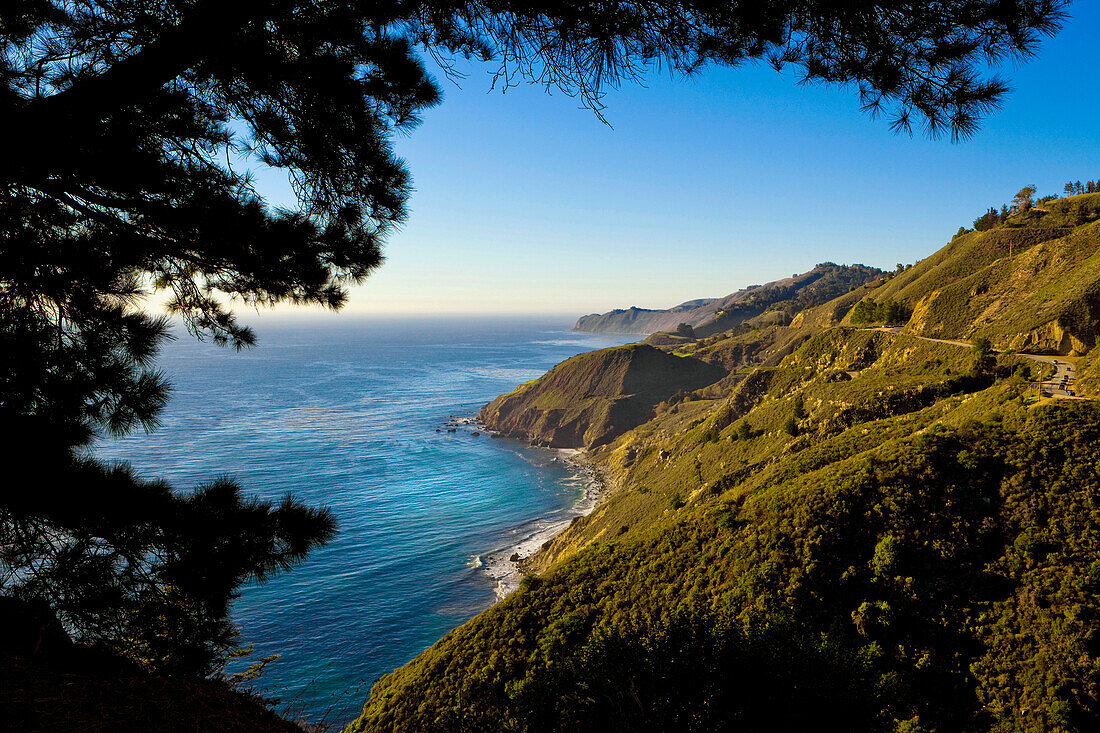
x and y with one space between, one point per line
594 397
774 302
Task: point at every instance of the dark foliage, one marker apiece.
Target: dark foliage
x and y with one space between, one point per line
124 563
988 220
131 566
1074 188
95 693
919 64
686 330
984 360
888 312
700 672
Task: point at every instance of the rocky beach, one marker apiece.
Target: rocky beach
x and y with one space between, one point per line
504 565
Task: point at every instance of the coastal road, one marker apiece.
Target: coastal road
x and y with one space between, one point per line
1059 385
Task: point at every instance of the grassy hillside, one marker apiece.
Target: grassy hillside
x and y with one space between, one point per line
594 397
893 532
840 377
925 519
1032 284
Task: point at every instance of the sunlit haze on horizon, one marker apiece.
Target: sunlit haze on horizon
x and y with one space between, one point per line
525 202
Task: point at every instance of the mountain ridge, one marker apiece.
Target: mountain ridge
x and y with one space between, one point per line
712 315
594 397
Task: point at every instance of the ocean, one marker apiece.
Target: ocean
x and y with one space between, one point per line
352 413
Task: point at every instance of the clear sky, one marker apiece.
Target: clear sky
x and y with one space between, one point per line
525 202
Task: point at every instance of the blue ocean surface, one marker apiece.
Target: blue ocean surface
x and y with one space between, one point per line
344 412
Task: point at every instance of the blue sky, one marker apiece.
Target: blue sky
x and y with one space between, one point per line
526 203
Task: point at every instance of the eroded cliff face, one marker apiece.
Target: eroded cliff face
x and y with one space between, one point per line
1052 338
593 398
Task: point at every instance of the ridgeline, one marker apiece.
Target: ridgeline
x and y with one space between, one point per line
754 306
590 399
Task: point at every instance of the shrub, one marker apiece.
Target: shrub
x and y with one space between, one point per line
700 673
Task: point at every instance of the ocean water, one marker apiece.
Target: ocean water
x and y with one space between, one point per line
344 412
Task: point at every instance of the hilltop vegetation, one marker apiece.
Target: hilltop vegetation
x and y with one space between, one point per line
888 312
888 529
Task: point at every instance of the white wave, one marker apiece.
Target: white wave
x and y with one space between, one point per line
502 564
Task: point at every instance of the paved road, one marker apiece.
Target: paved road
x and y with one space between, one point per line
1059 385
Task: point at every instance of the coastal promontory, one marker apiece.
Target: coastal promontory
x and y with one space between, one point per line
595 397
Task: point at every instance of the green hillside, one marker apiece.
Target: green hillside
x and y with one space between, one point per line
896 534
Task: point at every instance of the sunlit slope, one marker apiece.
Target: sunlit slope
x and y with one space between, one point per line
917 510
1032 284
718 436
593 397
737 350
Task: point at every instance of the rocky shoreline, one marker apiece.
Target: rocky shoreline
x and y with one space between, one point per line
505 565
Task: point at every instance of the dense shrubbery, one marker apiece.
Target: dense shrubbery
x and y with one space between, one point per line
121 563
1024 201
699 672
